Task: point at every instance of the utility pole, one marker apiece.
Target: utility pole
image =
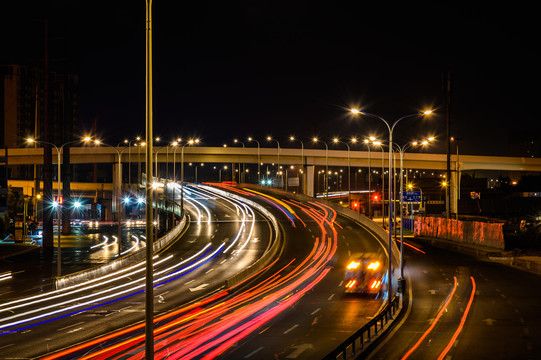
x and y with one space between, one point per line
447 101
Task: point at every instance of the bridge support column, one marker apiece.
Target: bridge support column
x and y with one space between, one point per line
117 190
308 181
454 193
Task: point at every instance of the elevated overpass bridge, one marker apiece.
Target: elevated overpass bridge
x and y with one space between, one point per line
310 158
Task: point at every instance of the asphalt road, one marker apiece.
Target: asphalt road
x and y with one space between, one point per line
325 316
191 267
294 308
498 307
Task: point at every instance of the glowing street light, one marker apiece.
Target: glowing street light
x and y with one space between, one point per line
56 203
390 128
258 160
326 179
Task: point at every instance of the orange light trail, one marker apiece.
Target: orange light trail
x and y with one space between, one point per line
208 330
462 321
440 313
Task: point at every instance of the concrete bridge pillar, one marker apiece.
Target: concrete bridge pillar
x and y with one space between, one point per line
308 181
117 189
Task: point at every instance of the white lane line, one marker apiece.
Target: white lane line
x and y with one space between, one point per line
330 297
291 328
72 325
253 352
341 282
75 330
209 271
315 311
5 346
189 282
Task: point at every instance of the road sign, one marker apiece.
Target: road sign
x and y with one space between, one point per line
411 196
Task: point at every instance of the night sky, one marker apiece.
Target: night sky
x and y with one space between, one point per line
233 69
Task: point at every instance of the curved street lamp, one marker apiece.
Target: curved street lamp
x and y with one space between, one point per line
326 180
126 141
278 171
118 200
241 173
59 161
292 138
337 141
258 160
390 128
189 142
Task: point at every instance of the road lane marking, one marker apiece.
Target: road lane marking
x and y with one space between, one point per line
253 352
189 282
209 270
291 328
315 311
341 282
5 346
299 349
330 297
197 288
72 325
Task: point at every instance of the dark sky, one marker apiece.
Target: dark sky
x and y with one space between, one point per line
227 69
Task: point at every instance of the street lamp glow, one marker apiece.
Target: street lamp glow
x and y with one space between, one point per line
77 204
355 111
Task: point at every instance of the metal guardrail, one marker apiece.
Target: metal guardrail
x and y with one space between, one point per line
358 342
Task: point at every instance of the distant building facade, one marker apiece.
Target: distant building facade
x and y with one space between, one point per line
22 91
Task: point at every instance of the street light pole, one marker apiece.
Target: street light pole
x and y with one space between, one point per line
391 129
149 279
367 142
189 142
336 141
242 173
278 171
58 210
118 200
292 138
326 179
258 161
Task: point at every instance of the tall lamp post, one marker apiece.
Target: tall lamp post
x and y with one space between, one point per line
292 138
326 179
337 141
242 173
118 199
278 152
402 150
59 177
138 138
391 128
258 160
149 278
189 142
367 143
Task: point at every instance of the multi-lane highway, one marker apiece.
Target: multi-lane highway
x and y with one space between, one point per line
294 308
224 236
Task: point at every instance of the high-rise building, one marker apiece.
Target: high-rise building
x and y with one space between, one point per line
22 104
22 91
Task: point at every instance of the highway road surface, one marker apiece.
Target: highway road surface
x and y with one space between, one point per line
208 254
465 308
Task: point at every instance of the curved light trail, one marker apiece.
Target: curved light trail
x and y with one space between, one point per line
211 328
